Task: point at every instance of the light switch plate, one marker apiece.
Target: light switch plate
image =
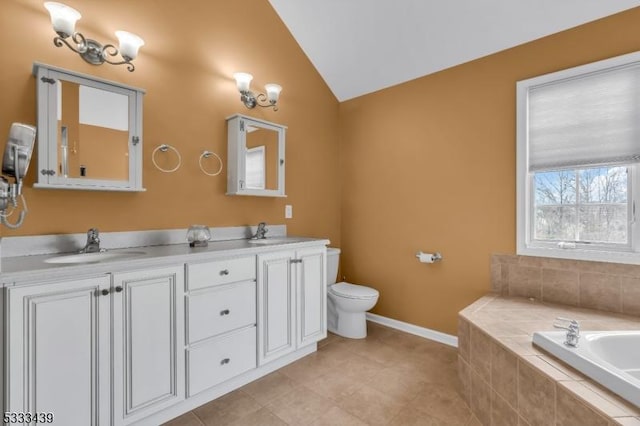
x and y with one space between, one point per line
288 211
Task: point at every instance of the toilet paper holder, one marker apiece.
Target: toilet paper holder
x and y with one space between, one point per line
429 257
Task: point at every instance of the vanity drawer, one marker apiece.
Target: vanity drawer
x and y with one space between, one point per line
221 359
222 271
220 309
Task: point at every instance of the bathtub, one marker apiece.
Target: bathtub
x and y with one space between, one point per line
611 358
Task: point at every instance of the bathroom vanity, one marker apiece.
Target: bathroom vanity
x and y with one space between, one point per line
143 339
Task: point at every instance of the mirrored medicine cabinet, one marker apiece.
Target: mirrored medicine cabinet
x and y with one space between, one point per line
89 132
255 157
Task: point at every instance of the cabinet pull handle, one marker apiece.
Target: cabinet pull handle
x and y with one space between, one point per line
225 361
224 272
296 260
105 292
118 289
225 312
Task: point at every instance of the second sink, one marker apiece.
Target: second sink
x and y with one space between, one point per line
269 241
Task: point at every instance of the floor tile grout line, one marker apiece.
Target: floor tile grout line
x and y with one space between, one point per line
410 347
197 417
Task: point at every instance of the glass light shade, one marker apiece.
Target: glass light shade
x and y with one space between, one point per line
243 81
63 18
129 44
273 92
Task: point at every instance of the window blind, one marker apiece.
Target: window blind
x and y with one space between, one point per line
592 119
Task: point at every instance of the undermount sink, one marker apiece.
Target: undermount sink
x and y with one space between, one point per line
270 241
93 257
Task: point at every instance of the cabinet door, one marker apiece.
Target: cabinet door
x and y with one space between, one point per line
312 295
58 350
276 306
148 342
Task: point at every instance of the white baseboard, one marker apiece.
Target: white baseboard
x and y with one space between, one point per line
427 333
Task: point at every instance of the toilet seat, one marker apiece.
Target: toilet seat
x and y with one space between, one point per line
353 291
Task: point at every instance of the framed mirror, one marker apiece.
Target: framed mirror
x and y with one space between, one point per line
255 157
89 132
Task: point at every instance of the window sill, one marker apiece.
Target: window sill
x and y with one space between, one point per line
632 258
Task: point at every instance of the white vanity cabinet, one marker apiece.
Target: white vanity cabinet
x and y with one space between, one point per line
276 305
96 352
59 350
311 289
148 342
292 297
221 321
142 343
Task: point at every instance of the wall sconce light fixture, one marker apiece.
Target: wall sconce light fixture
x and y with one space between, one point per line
64 18
249 99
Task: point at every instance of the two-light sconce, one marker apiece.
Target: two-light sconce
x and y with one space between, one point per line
64 18
250 100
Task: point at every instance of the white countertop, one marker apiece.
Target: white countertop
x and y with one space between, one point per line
31 268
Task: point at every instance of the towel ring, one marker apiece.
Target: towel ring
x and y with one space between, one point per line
207 154
164 148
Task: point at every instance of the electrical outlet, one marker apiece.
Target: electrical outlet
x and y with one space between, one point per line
288 211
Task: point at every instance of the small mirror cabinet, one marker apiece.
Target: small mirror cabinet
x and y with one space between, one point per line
255 157
89 132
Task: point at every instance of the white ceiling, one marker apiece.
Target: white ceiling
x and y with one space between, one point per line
360 46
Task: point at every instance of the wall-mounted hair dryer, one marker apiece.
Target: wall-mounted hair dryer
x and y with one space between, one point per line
15 163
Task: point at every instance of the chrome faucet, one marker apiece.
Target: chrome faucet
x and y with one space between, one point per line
573 331
260 232
93 241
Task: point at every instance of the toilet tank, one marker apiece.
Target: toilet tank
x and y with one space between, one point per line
333 256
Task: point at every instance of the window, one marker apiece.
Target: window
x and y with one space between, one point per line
584 206
578 153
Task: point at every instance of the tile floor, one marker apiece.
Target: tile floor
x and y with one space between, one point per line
389 378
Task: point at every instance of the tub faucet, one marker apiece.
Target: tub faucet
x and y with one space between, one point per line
573 330
93 241
261 231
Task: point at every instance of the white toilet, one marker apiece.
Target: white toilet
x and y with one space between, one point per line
347 303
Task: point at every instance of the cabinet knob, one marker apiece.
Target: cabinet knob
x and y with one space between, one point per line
225 361
225 312
105 292
224 272
118 289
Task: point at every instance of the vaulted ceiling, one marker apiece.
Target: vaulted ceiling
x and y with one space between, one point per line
361 46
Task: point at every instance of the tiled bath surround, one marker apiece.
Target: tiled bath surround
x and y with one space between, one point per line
611 287
506 381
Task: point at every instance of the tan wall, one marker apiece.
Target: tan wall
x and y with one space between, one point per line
103 152
430 165
192 49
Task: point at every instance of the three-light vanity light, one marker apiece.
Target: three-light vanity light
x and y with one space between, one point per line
251 100
64 18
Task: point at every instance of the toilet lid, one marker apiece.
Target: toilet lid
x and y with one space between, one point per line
353 291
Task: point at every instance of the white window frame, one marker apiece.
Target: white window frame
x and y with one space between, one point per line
524 181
